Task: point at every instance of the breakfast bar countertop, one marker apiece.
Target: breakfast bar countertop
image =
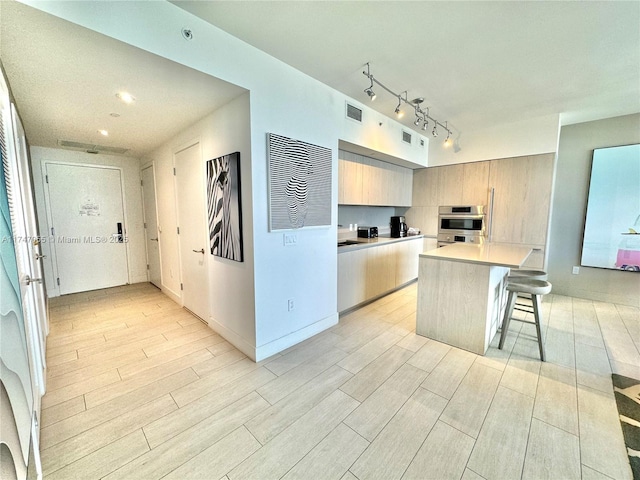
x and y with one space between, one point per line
486 254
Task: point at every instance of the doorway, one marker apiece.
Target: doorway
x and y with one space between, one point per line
151 225
86 209
192 221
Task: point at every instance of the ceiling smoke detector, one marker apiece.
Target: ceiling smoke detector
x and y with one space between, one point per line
187 34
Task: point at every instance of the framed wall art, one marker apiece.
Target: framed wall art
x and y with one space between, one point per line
299 184
224 207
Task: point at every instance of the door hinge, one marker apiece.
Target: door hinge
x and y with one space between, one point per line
145 224
141 183
52 232
58 281
46 178
181 287
147 266
178 230
174 171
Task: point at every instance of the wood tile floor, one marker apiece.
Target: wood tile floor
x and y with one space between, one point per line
140 389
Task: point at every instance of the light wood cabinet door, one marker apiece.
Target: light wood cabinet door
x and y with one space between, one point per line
475 183
381 270
352 275
350 181
407 253
450 180
367 181
521 199
425 188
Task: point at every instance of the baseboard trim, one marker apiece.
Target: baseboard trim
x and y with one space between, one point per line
171 294
233 338
282 343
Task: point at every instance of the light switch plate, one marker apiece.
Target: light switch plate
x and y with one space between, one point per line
575 270
290 239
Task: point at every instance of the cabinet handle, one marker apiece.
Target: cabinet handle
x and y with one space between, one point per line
492 192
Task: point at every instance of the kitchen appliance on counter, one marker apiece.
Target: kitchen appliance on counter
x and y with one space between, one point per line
367 232
465 224
398 227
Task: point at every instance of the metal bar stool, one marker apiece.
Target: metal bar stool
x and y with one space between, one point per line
533 287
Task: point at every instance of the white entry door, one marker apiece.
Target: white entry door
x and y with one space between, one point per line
151 225
190 183
87 217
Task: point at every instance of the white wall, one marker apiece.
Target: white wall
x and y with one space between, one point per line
573 172
231 284
530 136
134 223
283 101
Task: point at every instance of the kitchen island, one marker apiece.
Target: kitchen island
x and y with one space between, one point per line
460 290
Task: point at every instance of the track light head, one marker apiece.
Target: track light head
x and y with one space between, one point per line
434 132
397 111
425 125
369 91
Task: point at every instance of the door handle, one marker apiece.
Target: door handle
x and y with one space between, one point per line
154 239
28 280
38 256
199 251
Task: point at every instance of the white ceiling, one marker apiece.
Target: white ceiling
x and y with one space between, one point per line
475 63
65 79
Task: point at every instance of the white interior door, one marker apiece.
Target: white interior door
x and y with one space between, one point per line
151 225
22 338
87 217
192 223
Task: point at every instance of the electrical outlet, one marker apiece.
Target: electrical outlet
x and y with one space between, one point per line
575 270
290 304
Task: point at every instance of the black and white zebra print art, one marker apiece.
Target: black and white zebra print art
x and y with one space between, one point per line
299 182
224 211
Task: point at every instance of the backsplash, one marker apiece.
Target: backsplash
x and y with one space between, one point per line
365 216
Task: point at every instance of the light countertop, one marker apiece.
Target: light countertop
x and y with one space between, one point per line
487 254
373 242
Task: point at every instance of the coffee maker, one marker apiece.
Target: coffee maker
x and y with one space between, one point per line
398 227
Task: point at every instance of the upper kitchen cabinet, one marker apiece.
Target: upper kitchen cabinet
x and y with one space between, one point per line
462 184
368 181
522 197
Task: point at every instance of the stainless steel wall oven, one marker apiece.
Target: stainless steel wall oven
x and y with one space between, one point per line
464 223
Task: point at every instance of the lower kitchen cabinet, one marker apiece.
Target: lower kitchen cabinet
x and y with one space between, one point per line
371 272
352 272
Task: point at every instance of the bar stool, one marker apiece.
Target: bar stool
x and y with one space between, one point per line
535 288
519 274
530 274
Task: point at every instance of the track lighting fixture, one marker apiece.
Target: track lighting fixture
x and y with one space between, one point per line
416 102
397 111
418 119
369 90
447 141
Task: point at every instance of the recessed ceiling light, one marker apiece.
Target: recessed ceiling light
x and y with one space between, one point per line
103 133
126 97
